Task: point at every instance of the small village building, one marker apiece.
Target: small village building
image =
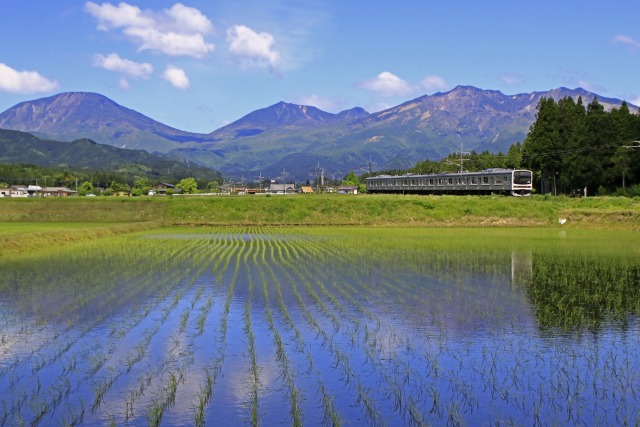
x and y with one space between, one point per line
348 189
58 192
162 188
305 189
21 191
281 189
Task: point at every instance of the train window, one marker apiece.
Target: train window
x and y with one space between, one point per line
398 182
413 182
498 179
431 181
450 181
439 181
473 179
522 177
485 179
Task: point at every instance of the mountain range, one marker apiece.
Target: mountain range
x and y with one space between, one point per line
292 140
89 156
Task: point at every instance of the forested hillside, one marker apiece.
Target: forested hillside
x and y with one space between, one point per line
574 147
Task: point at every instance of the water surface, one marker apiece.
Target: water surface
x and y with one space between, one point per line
327 326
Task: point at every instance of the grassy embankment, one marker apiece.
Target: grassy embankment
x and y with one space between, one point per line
70 219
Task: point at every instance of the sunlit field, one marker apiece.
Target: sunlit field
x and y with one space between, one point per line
324 326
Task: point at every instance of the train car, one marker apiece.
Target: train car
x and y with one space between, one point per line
489 181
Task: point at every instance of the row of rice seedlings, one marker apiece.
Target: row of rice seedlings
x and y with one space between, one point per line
214 367
330 413
82 290
342 359
138 352
168 393
175 353
166 399
66 348
396 374
63 379
253 368
281 355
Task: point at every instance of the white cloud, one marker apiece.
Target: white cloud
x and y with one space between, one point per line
628 41
254 49
636 101
387 84
177 77
114 62
512 79
179 31
591 87
325 104
24 81
181 16
123 83
433 83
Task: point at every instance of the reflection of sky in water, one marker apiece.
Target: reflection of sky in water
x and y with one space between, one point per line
386 334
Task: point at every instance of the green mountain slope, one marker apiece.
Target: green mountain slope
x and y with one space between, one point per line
85 154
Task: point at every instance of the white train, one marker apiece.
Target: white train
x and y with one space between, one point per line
489 181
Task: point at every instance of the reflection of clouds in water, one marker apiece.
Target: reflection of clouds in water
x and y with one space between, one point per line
21 339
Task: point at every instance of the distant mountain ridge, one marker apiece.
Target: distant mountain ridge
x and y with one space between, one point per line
284 115
296 138
75 115
85 154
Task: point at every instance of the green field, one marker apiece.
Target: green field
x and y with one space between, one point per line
70 219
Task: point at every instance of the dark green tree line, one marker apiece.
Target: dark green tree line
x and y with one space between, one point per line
573 148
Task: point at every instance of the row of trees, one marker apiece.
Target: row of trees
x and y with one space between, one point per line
141 187
93 182
572 149
576 148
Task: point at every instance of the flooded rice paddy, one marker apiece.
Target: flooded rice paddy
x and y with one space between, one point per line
331 326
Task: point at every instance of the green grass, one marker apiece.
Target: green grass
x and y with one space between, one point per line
393 210
22 237
39 223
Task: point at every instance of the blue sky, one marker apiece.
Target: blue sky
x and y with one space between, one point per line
199 65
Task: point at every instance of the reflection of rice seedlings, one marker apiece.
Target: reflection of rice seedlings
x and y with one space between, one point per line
184 318
435 402
202 317
415 417
100 388
5 413
205 395
154 415
283 360
167 398
371 412
454 415
199 410
39 409
72 417
252 356
330 416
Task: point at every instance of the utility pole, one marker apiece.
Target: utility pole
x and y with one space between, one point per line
284 179
260 181
370 165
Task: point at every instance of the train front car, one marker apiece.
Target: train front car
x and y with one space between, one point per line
522 183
